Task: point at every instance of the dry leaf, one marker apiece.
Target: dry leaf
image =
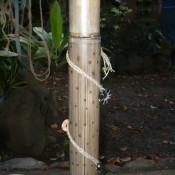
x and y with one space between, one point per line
166 142
116 129
114 136
155 158
114 160
45 167
54 126
124 149
137 130
126 159
125 108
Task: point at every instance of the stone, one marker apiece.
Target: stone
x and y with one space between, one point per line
23 118
140 164
23 164
1 166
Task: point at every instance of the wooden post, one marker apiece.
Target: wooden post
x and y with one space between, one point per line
84 52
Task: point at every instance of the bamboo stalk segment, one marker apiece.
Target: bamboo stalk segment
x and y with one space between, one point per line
84 52
84 104
84 18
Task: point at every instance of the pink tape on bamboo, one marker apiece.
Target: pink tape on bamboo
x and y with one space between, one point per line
64 125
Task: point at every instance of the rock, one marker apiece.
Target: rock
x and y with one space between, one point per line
132 166
140 164
62 165
23 164
167 163
1 166
22 119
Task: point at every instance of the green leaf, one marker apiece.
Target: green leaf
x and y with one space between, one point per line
64 43
21 84
8 53
42 33
56 23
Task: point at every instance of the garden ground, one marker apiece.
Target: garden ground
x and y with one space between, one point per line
137 123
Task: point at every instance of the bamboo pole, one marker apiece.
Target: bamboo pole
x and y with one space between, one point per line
84 52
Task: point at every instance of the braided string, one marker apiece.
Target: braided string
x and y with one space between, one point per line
77 69
80 150
47 71
3 19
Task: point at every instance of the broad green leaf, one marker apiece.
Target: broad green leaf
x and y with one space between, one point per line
56 23
8 53
64 43
41 33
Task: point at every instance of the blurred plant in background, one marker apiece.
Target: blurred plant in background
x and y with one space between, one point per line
122 35
55 40
112 17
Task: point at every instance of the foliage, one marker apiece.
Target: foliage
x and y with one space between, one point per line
55 40
118 16
137 36
123 36
9 66
56 24
143 8
39 54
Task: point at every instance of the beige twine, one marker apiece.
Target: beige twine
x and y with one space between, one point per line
45 75
3 12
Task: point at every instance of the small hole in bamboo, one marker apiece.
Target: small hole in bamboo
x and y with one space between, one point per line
78 58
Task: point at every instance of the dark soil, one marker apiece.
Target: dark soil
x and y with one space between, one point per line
139 120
